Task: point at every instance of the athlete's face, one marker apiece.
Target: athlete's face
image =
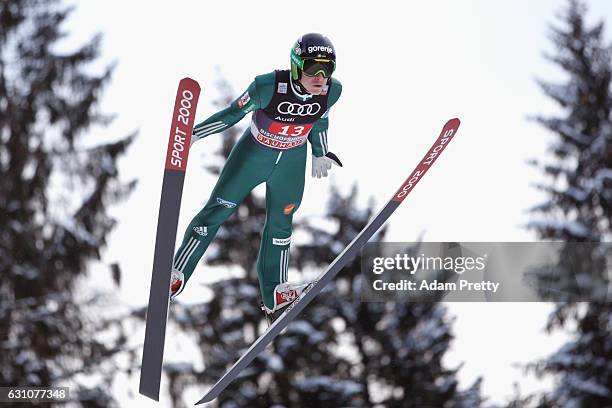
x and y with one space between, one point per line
313 84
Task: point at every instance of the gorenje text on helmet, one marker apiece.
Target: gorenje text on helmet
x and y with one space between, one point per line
325 48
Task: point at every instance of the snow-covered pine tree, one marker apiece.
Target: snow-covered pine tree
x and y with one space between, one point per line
54 199
340 352
579 209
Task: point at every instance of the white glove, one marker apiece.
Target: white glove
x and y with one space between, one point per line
320 165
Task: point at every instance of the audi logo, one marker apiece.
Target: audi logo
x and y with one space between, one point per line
296 109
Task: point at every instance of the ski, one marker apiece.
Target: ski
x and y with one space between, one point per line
183 118
315 287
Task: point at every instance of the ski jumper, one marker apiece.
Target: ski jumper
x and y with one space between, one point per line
272 150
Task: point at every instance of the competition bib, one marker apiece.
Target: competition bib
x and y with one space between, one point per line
278 135
286 121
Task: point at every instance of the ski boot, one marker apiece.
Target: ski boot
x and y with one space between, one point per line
177 283
284 295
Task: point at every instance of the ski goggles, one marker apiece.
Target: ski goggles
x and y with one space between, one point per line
316 66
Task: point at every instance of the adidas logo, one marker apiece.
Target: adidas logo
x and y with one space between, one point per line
203 231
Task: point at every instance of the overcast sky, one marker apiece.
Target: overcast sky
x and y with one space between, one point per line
406 68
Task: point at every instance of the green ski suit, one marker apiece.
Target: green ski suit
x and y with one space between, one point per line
272 150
